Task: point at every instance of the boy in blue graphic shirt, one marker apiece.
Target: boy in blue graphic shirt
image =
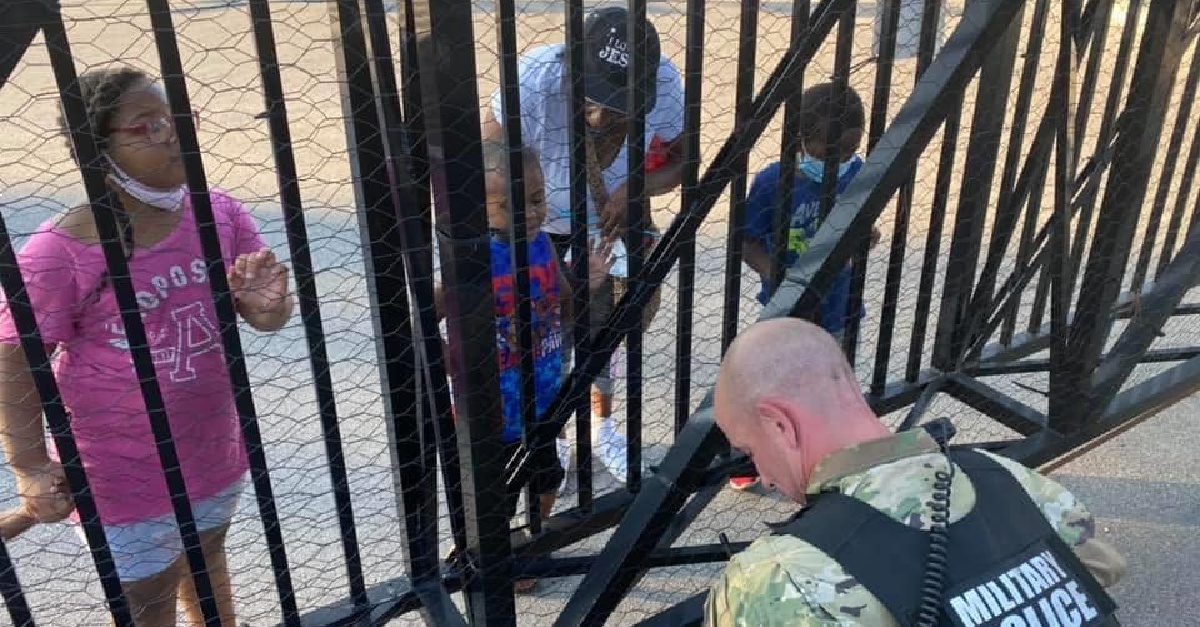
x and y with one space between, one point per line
550 301
819 106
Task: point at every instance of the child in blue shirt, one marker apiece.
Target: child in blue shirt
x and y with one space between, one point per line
550 301
819 106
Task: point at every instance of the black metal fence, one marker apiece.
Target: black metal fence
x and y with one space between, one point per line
1052 337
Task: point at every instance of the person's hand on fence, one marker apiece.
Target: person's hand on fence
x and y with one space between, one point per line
613 221
260 285
45 497
600 261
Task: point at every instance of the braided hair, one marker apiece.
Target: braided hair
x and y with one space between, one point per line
102 91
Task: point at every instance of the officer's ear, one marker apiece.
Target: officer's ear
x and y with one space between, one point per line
781 420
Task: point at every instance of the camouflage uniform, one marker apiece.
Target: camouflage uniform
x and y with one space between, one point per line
782 580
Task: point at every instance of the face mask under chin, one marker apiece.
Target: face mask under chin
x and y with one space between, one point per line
167 199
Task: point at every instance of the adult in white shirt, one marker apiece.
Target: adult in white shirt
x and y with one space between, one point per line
546 127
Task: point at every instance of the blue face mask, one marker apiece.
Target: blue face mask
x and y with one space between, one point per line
814 169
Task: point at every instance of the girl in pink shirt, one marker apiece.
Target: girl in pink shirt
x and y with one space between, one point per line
67 282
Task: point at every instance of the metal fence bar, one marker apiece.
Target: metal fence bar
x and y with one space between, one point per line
987 129
635 240
933 241
1116 86
1032 210
1175 224
1170 162
1026 366
104 205
842 51
1024 254
177 95
446 53
579 244
1137 138
310 308
414 431
379 231
693 85
891 286
1096 28
1091 192
409 172
579 565
1002 408
980 307
1156 308
790 144
841 80
20 21
510 102
743 100
1008 179
925 48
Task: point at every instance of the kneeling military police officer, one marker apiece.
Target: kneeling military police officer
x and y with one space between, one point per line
894 533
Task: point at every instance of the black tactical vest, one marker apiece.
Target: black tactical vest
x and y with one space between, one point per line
1007 567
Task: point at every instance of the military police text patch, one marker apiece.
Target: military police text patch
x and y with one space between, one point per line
1036 588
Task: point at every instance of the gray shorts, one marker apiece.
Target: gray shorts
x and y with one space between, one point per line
148 547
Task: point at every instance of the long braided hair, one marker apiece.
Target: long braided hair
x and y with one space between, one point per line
102 91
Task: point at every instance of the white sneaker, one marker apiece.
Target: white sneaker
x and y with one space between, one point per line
565 448
610 447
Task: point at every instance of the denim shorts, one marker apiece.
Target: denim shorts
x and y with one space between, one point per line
148 547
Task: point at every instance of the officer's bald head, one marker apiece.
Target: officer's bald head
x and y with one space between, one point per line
786 356
787 396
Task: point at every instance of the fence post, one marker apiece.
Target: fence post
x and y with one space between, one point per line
446 55
693 73
380 233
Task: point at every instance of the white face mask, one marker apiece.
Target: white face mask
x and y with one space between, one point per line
169 199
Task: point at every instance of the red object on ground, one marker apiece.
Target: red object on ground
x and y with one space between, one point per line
743 483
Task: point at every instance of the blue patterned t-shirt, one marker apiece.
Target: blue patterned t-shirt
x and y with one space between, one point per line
547 329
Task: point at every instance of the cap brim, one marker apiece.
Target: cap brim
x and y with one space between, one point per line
604 94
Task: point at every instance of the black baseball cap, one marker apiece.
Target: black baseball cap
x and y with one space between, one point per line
607 51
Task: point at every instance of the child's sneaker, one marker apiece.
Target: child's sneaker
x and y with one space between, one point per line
563 445
741 484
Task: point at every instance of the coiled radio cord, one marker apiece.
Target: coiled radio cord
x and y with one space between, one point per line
934 583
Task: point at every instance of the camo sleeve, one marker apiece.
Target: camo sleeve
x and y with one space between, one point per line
781 580
1073 522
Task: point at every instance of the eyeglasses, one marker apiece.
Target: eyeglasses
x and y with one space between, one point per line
158 130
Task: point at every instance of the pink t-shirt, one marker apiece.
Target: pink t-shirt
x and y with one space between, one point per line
94 366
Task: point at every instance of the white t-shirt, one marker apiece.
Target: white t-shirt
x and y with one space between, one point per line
546 127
